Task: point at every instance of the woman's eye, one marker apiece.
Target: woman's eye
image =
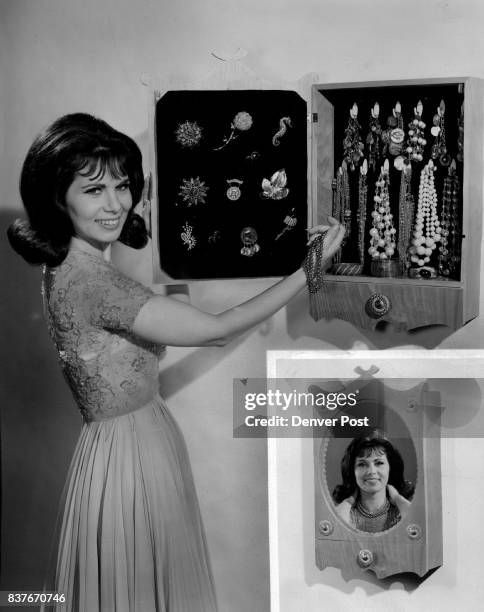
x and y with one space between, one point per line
93 191
123 187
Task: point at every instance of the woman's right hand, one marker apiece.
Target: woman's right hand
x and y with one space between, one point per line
335 233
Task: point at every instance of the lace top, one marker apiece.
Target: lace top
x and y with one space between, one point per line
90 309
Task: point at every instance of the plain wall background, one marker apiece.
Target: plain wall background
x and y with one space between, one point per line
59 56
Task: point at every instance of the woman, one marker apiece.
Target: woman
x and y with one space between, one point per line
374 495
131 537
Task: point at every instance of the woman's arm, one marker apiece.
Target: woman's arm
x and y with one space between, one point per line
164 321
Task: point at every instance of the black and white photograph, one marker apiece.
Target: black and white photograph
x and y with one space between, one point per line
187 188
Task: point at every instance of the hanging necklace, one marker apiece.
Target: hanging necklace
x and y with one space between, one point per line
341 203
416 140
374 138
394 136
439 148
362 203
449 254
352 143
397 134
427 232
382 241
460 138
406 210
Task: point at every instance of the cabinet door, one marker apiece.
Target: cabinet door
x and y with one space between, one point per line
442 285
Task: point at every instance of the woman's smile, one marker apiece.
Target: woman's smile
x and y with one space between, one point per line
109 224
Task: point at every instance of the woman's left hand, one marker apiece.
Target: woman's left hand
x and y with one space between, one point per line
143 208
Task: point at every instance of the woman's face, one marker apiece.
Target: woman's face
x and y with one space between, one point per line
98 206
372 472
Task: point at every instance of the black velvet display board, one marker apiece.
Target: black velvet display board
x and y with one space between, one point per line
204 140
408 96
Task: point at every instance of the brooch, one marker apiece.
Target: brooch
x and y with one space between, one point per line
275 188
214 237
187 237
284 123
240 123
233 192
290 222
249 240
193 191
188 134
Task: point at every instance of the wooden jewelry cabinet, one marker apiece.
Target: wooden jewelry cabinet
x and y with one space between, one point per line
229 203
407 303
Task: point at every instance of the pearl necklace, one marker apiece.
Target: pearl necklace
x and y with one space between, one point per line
382 241
427 231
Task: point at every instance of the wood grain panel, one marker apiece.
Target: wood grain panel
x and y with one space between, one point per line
411 306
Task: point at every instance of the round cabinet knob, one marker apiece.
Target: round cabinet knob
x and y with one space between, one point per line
378 305
412 406
365 558
414 531
325 527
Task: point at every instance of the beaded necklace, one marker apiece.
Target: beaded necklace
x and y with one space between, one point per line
427 232
416 141
406 210
460 137
382 241
361 216
374 513
449 252
313 269
342 203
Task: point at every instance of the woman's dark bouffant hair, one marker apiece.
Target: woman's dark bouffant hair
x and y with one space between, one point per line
363 447
74 143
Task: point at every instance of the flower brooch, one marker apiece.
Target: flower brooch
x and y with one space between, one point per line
240 123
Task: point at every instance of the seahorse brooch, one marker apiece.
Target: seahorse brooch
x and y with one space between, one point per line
284 123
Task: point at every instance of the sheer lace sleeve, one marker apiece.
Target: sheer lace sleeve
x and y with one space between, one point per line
113 300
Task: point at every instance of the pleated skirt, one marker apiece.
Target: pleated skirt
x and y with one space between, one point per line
131 538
